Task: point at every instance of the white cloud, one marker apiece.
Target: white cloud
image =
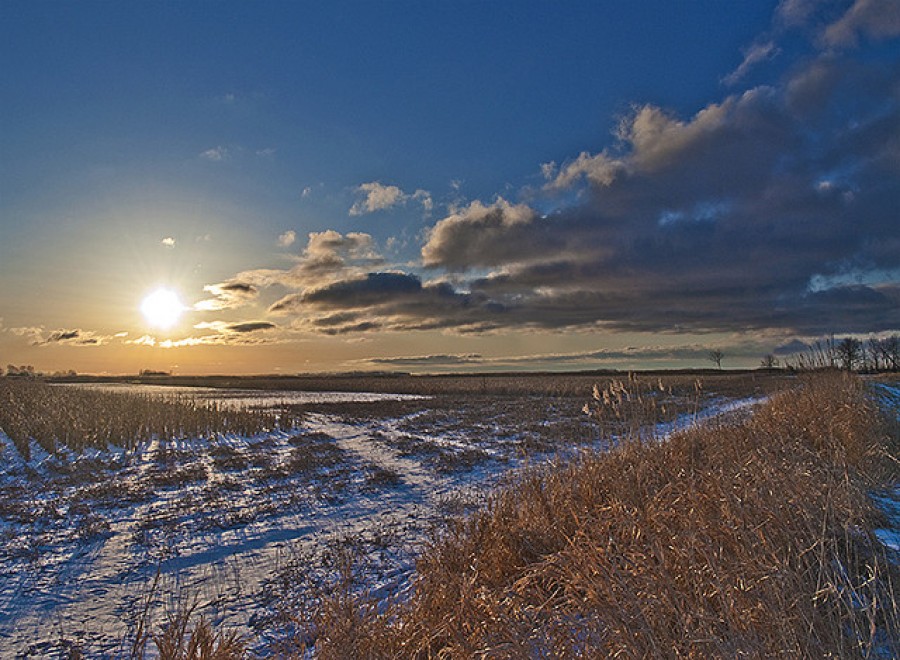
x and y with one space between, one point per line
168 241
218 326
796 12
216 154
143 340
548 170
758 52
34 334
379 197
424 197
288 238
227 295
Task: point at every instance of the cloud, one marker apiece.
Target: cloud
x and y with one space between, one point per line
216 154
224 334
367 291
756 53
792 13
76 337
876 19
328 256
428 360
228 295
604 357
380 197
288 238
478 235
143 340
168 242
424 198
34 334
387 301
250 326
771 210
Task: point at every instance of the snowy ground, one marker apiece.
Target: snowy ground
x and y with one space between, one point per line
889 501
246 527
250 528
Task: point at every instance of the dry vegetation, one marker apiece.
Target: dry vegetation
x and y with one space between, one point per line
77 418
542 384
746 539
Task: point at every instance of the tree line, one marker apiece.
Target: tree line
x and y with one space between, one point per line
849 354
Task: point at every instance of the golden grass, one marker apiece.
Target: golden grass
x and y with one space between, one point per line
490 384
180 640
73 417
735 540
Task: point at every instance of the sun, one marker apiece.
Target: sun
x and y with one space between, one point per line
162 308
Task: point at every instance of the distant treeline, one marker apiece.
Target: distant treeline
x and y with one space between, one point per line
873 355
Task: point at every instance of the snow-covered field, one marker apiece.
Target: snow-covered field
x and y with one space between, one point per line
889 501
249 528
244 526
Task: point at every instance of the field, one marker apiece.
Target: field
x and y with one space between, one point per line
257 502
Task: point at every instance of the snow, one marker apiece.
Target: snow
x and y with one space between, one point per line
250 526
888 501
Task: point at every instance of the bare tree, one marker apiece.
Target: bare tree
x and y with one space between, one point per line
872 351
769 361
890 347
848 352
885 353
716 356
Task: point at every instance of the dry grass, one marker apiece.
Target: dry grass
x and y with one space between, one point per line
469 385
179 640
76 418
741 540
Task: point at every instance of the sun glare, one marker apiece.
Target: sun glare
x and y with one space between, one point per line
162 308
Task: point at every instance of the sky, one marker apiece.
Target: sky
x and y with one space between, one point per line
444 186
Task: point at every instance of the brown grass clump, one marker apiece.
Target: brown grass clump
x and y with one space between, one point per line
179 641
740 540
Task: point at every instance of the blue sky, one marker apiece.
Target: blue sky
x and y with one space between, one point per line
444 185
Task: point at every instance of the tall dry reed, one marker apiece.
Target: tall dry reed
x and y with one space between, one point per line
728 540
76 418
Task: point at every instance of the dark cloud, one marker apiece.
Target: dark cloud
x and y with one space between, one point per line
716 223
75 337
603 357
479 235
228 295
373 289
429 360
772 210
329 256
63 335
250 326
388 301
792 347
239 288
